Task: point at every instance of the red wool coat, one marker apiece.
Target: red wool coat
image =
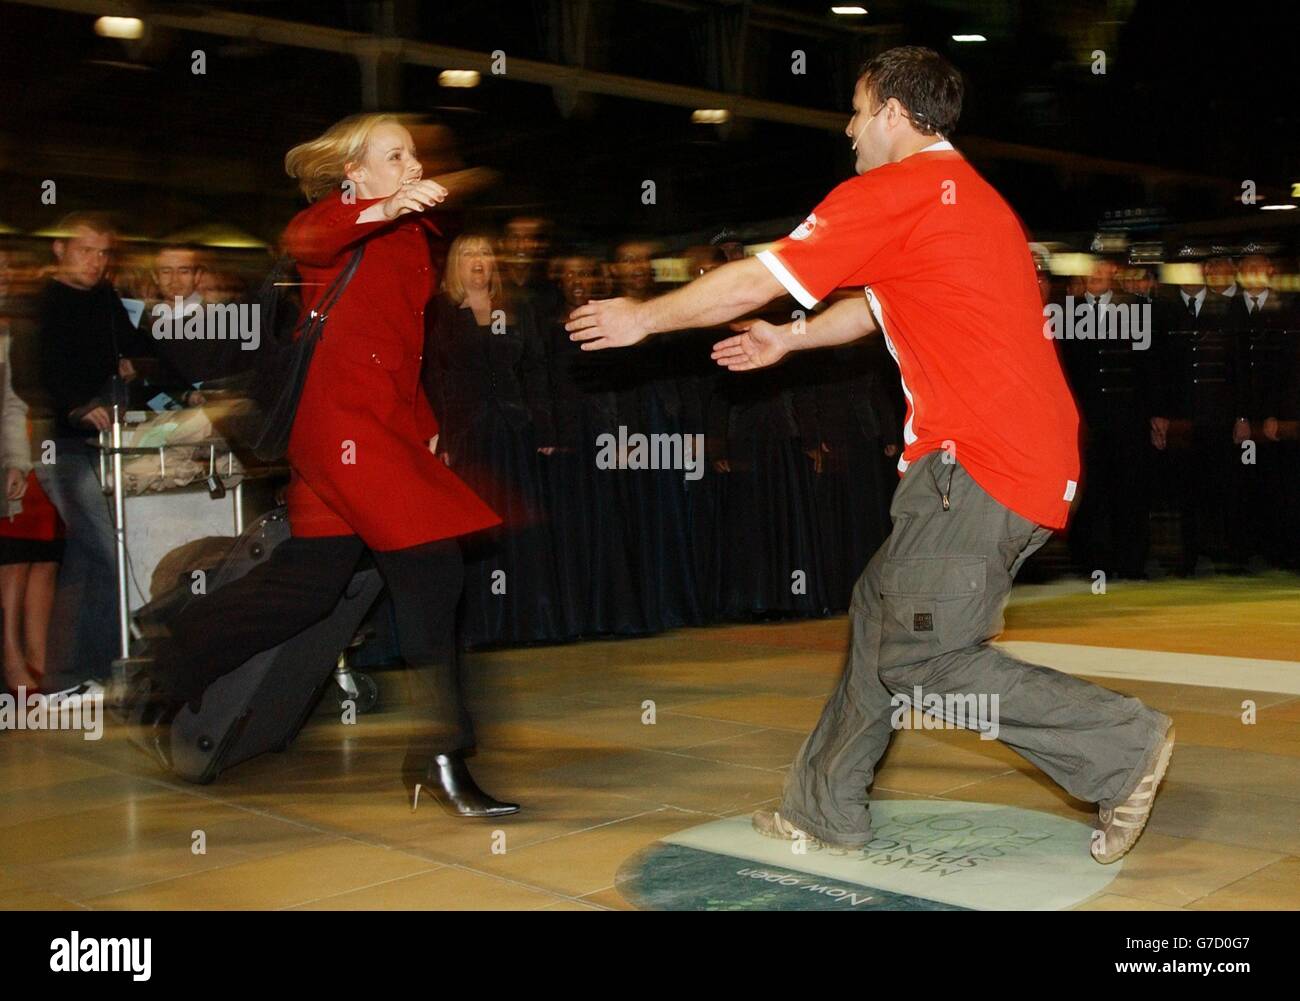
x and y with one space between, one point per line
359 445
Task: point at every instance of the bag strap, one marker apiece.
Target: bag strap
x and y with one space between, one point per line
281 270
320 312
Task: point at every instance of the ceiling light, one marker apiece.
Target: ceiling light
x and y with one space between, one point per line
458 78
119 27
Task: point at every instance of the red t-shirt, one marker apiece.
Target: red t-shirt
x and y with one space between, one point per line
947 272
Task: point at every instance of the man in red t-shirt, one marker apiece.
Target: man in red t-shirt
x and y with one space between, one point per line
940 266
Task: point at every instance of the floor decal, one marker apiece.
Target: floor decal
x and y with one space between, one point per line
927 855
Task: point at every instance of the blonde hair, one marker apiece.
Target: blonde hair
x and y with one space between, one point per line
451 283
319 165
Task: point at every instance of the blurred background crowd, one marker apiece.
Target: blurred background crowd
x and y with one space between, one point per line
1145 153
1190 421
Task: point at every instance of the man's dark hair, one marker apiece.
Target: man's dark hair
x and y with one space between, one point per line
924 82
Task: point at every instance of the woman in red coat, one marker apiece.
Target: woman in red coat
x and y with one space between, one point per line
364 475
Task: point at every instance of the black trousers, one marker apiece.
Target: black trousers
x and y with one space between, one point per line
1206 475
1256 501
1111 529
298 586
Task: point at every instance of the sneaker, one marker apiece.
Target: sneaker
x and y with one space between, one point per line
771 824
1120 827
74 695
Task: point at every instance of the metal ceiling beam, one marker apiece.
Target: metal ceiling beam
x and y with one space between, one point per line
359 44
792 22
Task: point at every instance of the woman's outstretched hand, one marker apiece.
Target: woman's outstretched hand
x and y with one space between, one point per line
757 345
413 196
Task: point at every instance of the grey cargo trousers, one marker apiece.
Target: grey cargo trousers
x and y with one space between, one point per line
923 614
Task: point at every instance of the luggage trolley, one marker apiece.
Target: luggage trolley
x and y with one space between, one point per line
220 467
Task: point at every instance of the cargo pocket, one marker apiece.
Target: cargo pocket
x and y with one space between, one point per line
931 605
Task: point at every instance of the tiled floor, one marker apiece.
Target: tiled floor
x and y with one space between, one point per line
563 730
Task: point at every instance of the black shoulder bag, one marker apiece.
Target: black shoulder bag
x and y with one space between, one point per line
281 372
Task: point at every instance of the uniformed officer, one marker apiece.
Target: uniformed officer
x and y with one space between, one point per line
1109 376
1195 404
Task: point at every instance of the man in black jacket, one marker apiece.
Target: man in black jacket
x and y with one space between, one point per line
85 340
1194 413
1263 323
1110 378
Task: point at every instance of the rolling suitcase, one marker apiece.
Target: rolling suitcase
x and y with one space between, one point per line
262 704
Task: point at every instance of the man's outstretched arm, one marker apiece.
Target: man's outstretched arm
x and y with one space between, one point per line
759 343
723 294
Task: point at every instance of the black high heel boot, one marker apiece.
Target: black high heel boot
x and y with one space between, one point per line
446 778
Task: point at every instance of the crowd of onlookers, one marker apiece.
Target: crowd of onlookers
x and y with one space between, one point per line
649 489
1192 413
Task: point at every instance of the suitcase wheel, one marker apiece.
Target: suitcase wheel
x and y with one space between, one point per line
367 696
